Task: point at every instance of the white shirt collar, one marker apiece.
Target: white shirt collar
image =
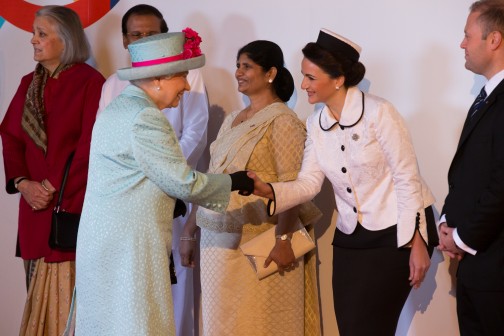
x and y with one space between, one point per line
493 82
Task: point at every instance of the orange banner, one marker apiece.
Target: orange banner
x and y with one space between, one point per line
21 13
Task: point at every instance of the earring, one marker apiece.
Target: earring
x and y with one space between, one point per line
337 87
270 81
158 88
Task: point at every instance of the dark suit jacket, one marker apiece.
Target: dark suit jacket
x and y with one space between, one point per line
475 201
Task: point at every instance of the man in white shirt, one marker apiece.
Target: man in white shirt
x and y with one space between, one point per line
189 120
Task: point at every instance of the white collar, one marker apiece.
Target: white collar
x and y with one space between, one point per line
352 111
493 82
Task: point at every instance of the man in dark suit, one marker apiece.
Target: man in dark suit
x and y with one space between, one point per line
472 223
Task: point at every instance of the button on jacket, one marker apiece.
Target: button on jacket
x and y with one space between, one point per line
371 165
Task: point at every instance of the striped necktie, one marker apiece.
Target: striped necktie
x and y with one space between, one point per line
478 102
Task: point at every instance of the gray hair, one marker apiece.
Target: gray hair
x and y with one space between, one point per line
69 29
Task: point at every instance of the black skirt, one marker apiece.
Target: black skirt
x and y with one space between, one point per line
370 280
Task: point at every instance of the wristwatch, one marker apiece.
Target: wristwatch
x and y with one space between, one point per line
283 237
16 183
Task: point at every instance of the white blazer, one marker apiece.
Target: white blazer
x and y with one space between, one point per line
370 160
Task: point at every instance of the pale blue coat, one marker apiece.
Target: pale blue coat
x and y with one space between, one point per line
136 170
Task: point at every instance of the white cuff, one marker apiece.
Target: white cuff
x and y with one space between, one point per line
461 244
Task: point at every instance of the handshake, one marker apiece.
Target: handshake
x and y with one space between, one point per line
242 182
247 183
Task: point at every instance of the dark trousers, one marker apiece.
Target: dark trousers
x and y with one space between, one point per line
480 312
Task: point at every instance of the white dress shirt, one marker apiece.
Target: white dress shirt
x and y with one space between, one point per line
371 165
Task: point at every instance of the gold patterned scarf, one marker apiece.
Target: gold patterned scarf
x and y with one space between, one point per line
33 119
231 150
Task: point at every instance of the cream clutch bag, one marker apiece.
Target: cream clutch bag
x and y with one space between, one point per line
258 249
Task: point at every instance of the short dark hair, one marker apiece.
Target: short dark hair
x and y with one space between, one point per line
335 64
69 29
491 16
268 55
143 9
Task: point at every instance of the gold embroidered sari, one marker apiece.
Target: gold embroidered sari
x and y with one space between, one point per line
235 302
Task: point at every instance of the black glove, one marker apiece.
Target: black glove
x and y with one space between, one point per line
180 208
240 181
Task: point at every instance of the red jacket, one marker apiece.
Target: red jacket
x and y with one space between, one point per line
71 103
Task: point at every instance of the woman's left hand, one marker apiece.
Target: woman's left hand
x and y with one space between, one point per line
419 261
36 194
187 244
283 255
186 250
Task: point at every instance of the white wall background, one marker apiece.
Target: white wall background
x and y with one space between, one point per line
411 51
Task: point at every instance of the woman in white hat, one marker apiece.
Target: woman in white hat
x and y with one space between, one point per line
361 144
136 171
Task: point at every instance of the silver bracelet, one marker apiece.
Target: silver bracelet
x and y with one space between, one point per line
43 185
188 239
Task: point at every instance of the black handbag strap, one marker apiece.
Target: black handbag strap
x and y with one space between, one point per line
63 181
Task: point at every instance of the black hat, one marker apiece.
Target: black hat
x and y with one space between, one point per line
335 43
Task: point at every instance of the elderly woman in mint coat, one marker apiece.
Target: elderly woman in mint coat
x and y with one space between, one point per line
136 171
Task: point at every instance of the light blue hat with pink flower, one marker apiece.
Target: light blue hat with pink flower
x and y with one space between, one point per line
163 54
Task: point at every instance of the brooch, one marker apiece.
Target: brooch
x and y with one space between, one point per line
355 137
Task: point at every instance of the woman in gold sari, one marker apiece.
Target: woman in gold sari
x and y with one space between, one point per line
268 138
